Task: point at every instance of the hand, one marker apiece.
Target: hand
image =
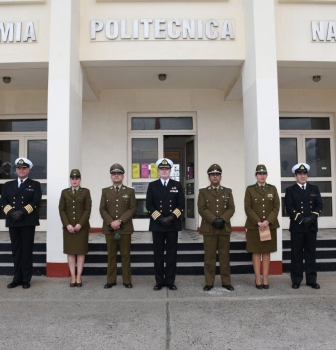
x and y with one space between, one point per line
307 221
115 224
77 227
70 229
263 225
218 223
17 215
166 221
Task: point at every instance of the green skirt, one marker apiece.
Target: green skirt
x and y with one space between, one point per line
254 245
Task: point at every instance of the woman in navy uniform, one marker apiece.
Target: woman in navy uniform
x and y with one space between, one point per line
262 205
165 204
304 205
20 200
74 209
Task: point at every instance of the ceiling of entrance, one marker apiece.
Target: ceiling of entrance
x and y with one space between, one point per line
226 77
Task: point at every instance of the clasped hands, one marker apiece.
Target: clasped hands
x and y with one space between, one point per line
17 215
72 229
166 221
218 223
263 225
307 221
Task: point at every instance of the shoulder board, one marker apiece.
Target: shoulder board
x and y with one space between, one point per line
251 185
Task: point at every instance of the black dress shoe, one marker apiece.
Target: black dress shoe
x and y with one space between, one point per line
259 286
158 286
128 285
313 285
266 286
207 288
228 287
171 286
295 286
14 284
26 285
109 285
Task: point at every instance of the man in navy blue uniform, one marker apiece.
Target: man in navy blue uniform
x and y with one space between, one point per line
304 205
20 200
165 204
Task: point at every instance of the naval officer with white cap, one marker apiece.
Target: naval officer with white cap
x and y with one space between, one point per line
20 200
304 205
165 204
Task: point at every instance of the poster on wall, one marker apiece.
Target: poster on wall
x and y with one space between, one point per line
136 170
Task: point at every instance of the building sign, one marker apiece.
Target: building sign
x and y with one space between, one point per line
160 29
17 32
323 31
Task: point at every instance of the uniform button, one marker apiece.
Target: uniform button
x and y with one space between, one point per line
263 205
74 213
74 218
116 216
263 199
263 211
13 197
117 200
217 200
302 212
74 207
116 211
224 207
160 211
170 205
170 211
160 201
263 217
217 205
73 201
301 202
116 205
216 211
301 207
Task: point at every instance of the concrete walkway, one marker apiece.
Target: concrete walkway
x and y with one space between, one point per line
51 315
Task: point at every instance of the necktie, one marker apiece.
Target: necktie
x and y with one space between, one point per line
216 189
117 189
262 187
74 191
303 187
165 184
21 181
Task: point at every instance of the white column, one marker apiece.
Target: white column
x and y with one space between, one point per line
260 97
64 120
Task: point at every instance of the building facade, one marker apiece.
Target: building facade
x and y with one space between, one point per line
88 83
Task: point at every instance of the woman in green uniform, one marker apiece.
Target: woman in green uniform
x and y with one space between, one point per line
262 206
75 208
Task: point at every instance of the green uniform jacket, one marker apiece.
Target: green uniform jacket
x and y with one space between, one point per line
261 205
75 208
212 205
118 206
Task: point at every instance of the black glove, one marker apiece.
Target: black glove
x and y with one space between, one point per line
17 215
166 221
218 223
111 229
307 221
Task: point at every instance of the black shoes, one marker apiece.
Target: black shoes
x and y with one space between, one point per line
109 285
313 285
14 284
73 284
266 286
25 285
158 286
128 285
295 285
171 286
228 287
207 288
259 286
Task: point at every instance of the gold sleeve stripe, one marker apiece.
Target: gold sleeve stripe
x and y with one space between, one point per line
7 208
314 212
177 212
29 208
296 216
155 214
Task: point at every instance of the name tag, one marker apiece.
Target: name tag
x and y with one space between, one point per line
175 191
270 195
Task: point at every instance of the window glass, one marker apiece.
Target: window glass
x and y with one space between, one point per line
9 151
23 125
288 155
318 156
144 157
163 123
288 123
37 153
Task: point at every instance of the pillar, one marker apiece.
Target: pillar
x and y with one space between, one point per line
260 102
64 121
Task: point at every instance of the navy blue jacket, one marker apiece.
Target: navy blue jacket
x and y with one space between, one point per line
165 201
27 198
302 203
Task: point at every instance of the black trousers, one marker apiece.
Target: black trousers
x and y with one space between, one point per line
303 246
165 241
22 239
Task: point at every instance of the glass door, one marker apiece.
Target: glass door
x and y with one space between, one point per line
317 152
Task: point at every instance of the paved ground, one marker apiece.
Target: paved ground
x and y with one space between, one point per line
51 315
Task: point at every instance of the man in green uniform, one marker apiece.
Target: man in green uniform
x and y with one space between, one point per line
117 207
216 207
